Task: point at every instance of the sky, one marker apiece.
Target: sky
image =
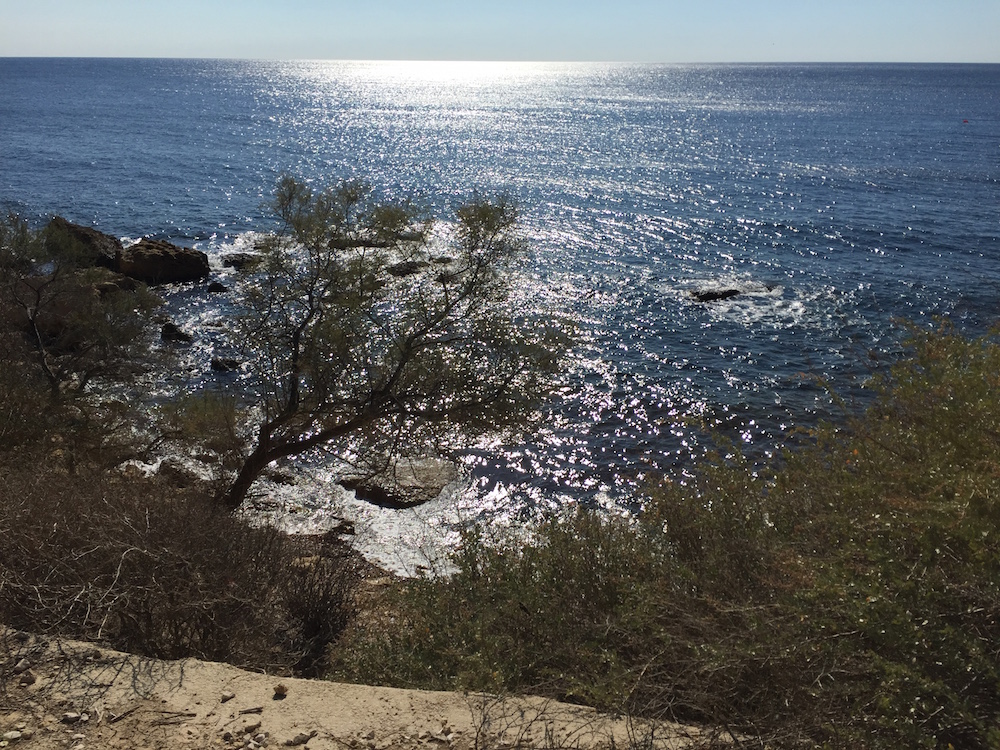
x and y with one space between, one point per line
671 31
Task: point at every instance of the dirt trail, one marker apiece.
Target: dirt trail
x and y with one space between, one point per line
73 695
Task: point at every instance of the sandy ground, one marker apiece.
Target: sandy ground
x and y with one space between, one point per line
73 695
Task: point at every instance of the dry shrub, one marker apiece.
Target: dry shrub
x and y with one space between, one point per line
147 569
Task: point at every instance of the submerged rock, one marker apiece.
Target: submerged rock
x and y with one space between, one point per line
170 331
407 267
713 295
241 261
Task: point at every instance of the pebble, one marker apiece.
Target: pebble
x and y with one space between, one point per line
12 736
22 666
226 697
71 717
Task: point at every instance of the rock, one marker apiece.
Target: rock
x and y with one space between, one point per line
226 697
174 333
407 267
225 364
97 248
176 474
408 483
160 262
712 295
241 261
300 739
342 527
280 691
12 736
217 287
22 666
71 717
27 679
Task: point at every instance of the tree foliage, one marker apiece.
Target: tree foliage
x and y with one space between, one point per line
372 334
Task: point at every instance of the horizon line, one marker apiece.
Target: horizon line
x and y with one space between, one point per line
498 61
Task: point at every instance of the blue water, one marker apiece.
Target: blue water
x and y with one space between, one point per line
838 198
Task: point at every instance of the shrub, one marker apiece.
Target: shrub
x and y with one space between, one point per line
143 568
849 597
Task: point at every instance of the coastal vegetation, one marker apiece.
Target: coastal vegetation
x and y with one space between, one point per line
847 595
365 339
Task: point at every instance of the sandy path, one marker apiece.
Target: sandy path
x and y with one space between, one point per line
71 695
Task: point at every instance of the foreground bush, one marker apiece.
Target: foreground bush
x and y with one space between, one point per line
850 598
145 569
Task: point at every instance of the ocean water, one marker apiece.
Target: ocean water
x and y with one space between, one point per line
839 199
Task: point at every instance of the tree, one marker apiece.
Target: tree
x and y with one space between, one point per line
365 341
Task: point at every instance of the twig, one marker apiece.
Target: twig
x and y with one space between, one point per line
118 717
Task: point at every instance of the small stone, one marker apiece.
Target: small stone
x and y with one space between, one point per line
280 691
70 717
78 737
12 736
370 735
22 666
226 697
300 739
251 728
26 679
227 736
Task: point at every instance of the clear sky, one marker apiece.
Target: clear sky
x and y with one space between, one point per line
573 30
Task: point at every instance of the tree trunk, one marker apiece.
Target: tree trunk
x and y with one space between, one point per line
255 463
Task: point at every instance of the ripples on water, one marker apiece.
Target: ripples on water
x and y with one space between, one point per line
836 198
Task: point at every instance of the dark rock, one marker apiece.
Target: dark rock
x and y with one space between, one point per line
160 262
174 333
217 287
241 261
96 248
407 267
225 364
712 295
342 527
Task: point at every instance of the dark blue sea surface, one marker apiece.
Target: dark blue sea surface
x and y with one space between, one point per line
836 198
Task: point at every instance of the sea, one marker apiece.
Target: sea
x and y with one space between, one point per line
842 202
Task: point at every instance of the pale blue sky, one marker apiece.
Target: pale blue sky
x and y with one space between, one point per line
626 30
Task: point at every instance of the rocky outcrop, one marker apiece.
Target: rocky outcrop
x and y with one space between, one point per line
160 262
94 247
150 261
